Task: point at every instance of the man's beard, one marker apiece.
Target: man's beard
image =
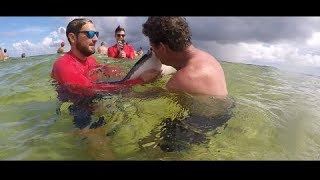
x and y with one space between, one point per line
85 50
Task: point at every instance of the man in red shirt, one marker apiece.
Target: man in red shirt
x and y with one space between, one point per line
72 73
121 49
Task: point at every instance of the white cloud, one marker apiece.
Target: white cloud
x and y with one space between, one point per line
48 45
61 31
261 53
33 29
288 42
314 40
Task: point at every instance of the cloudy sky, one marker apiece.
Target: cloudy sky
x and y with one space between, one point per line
289 43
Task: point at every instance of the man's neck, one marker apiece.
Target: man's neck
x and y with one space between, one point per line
78 55
181 59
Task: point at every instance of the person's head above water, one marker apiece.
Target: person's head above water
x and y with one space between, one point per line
121 49
62 44
82 36
170 39
173 31
120 33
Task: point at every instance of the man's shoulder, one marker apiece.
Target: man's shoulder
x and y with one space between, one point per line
92 59
130 47
63 59
60 50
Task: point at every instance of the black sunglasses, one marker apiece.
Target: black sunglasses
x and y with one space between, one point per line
123 35
90 34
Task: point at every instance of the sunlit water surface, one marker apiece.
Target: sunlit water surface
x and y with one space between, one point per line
272 115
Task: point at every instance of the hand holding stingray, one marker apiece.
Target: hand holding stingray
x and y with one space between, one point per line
146 62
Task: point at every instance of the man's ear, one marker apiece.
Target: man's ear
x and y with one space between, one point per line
72 37
163 47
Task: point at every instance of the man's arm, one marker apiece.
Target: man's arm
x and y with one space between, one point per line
131 53
182 82
77 83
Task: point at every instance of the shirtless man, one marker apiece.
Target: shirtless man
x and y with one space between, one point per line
198 72
102 49
61 48
199 76
5 54
1 55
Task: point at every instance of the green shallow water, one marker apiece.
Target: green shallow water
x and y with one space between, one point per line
275 117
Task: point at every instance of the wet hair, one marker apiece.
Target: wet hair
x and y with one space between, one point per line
62 44
172 31
102 43
118 29
75 25
23 55
5 50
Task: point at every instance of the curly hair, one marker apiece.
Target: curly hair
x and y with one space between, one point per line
173 31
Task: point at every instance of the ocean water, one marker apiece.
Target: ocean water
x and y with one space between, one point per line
274 116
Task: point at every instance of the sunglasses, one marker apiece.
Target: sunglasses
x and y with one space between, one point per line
90 34
123 35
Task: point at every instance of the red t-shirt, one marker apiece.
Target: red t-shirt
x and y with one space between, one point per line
72 74
113 51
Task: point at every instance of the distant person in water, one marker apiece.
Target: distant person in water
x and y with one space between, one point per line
61 48
23 55
139 52
6 55
76 72
102 49
198 72
121 49
1 55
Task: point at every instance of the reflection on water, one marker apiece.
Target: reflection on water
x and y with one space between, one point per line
270 115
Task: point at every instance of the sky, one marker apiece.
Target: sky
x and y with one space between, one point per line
288 43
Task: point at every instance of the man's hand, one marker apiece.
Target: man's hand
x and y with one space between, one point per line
139 52
150 75
122 54
120 45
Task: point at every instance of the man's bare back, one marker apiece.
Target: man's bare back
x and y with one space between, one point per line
202 75
102 50
60 50
1 55
198 72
